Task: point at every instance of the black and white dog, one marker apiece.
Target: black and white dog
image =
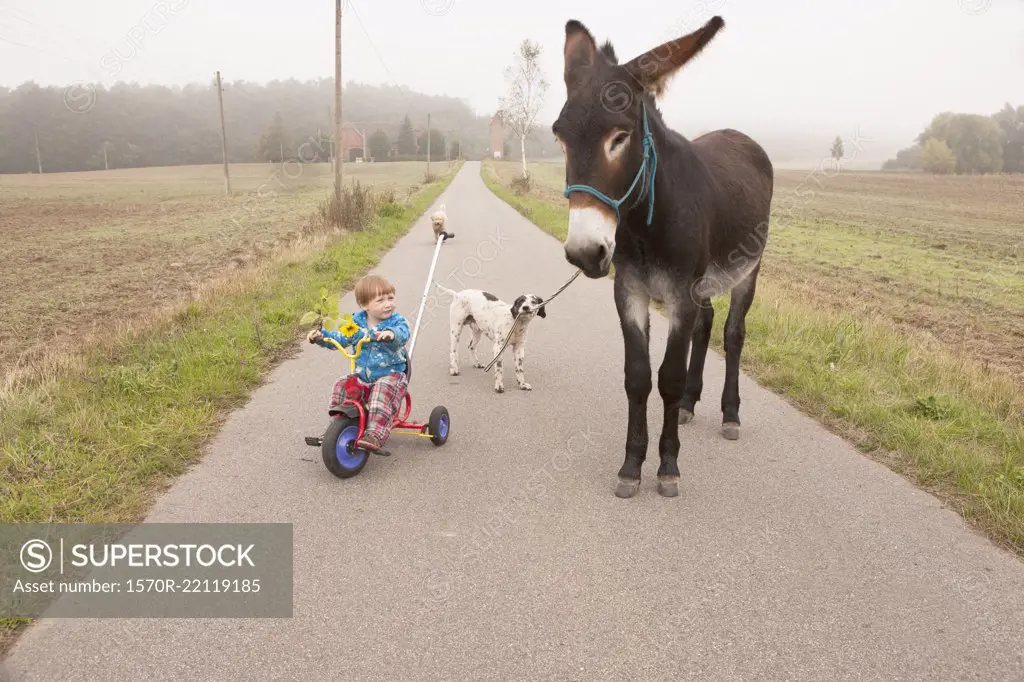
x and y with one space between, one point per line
485 313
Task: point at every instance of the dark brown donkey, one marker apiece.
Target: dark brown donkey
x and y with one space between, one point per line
681 220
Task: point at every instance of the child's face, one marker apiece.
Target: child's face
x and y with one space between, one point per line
381 306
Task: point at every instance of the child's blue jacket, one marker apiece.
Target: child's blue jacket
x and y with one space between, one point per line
377 358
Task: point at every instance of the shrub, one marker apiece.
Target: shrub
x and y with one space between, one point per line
521 185
354 212
937 157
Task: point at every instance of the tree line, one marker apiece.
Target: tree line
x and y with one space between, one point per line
91 127
967 143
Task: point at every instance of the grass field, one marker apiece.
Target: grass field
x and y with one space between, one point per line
891 308
85 250
98 435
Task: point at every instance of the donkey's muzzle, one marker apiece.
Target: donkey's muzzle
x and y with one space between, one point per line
591 239
593 259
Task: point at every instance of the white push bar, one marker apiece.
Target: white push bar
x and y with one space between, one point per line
426 290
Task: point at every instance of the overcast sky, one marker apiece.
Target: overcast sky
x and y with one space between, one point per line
880 67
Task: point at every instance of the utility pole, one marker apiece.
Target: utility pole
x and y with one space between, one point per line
223 138
428 145
330 148
39 157
338 156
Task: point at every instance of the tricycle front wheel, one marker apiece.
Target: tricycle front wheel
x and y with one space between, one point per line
438 424
340 455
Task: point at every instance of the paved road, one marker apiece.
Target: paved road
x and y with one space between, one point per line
505 554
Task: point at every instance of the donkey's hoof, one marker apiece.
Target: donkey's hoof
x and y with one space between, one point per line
627 487
731 430
668 486
685 416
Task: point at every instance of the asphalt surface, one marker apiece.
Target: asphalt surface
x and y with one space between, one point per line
505 554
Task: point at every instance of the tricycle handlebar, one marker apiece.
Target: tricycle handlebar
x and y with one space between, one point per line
352 357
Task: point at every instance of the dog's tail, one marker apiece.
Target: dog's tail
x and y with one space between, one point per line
444 289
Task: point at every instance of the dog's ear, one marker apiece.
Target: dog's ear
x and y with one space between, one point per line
516 305
541 312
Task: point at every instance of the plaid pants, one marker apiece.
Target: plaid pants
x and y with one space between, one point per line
382 399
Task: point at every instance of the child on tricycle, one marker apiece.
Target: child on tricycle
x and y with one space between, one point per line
379 381
365 403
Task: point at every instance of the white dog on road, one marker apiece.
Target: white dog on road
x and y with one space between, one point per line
485 313
439 222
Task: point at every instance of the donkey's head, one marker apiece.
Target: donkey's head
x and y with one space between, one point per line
603 131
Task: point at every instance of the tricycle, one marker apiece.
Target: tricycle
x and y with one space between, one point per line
348 420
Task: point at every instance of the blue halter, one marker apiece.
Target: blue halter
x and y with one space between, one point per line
650 157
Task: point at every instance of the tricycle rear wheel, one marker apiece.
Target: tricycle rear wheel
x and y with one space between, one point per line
339 455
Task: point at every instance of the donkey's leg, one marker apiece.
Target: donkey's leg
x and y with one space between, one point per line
632 302
698 353
735 332
682 314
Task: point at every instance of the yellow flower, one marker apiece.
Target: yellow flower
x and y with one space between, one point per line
349 327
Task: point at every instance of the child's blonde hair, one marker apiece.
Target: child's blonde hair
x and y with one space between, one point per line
371 286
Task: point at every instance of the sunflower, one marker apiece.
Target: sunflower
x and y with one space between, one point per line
348 326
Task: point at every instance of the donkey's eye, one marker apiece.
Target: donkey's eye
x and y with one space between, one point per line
614 147
618 141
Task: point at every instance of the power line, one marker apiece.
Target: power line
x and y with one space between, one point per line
47 29
359 19
53 54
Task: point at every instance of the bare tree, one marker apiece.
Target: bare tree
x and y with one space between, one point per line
518 109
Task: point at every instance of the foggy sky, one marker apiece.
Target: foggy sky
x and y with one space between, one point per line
877 68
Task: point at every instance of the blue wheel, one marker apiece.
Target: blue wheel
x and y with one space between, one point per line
438 424
339 454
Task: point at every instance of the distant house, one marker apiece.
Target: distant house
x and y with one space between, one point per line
353 143
497 136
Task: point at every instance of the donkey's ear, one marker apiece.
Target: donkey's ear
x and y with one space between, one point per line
580 52
653 68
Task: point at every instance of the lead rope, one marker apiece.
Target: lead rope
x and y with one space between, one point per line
516 320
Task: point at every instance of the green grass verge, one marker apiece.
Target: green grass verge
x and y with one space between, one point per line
97 443
551 218
949 426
